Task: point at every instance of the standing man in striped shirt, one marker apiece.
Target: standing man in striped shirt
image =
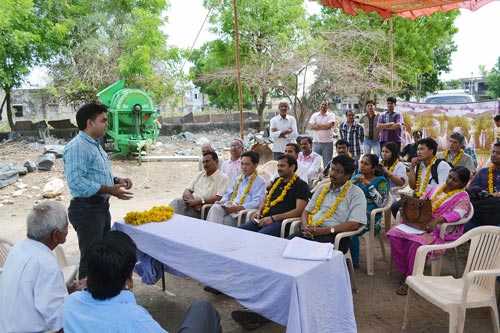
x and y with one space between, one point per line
91 181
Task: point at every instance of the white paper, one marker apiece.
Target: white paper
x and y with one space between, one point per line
299 248
409 230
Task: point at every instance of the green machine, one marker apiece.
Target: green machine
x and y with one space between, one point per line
132 118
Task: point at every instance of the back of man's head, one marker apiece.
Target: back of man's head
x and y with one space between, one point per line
86 112
111 262
44 218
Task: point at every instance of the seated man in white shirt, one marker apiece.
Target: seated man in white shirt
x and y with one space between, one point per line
245 192
206 146
205 187
32 287
308 159
232 166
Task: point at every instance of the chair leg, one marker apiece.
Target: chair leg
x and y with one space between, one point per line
409 300
351 275
369 253
382 245
457 320
494 317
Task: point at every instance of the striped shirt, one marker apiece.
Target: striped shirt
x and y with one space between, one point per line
86 166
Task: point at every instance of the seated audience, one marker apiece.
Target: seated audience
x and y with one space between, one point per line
246 192
293 149
308 159
335 207
341 147
394 170
375 187
232 167
286 198
450 203
410 149
108 304
205 187
455 153
32 287
206 146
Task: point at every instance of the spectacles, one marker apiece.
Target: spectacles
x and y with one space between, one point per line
234 147
337 171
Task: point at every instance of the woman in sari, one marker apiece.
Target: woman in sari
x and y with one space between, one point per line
375 186
394 170
450 203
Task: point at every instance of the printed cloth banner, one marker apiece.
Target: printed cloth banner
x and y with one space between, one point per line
467 109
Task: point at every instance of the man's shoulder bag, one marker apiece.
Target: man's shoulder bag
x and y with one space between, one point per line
415 212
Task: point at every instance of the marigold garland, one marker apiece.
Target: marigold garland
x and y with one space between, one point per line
456 159
393 166
155 214
268 203
247 189
438 203
332 209
491 188
418 191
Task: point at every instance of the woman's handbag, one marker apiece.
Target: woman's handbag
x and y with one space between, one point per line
415 212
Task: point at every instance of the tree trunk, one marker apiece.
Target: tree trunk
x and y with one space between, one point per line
9 109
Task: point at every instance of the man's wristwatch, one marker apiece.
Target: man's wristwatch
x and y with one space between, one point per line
202 201
332 230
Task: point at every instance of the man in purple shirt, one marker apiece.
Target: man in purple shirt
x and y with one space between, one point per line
389 124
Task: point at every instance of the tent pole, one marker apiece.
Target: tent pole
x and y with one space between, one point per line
391 42
238 69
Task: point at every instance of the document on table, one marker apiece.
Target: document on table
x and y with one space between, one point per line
409 230
299 248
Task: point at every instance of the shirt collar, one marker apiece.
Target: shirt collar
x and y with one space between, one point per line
88 138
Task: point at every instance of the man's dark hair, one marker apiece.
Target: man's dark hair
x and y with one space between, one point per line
213 153
346 162
497 118
295 146
88 111
429 143
370 101
342 142
289 159
459 137
496 144
391 99
111 262
308 138
253 156
419 133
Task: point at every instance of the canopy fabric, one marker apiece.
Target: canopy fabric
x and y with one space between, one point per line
405 8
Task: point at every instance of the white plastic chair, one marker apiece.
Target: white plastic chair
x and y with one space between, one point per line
347 255
5 246
475 289
69 271
268 170
388 218
243 215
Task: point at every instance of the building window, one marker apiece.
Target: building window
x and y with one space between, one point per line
18 110
195 96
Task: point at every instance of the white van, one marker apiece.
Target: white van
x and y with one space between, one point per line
450 97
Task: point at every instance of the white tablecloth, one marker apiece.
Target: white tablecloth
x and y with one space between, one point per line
304 296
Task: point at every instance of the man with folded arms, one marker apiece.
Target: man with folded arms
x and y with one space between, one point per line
339 206
286 198
205 187
32 287
245 192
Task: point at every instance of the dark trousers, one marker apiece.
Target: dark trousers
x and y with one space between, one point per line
273 229
91 222
343 246
201 318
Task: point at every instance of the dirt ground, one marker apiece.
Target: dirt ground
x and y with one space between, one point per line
377 307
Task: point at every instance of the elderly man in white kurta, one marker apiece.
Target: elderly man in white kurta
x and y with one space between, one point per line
283 129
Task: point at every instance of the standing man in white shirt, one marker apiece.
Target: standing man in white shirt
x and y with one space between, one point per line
232 167
32 287
321 124
283 129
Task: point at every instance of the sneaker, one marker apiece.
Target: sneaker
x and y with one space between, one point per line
248 319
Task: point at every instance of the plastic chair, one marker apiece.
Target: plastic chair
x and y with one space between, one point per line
370 236
388 215
347 255
69 271
242 214
5 246
475 289
268 170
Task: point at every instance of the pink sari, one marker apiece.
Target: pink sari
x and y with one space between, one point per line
404 246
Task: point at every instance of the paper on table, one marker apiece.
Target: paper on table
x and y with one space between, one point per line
409 230
299 248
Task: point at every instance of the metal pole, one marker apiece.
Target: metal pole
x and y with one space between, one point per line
391 35
238 70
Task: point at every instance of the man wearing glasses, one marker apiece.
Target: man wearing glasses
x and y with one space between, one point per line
232 167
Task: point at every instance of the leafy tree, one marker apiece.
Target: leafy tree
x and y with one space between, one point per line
32 33
493 80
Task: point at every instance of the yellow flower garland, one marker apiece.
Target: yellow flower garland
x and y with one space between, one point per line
418 192
332 209
491 189
247 189
268 203
438 203
456 159
155 214
393 166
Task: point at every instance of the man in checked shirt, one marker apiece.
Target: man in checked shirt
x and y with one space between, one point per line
91 181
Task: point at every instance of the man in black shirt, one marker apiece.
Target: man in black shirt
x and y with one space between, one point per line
411 148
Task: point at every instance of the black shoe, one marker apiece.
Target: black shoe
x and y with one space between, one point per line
248 319
212 290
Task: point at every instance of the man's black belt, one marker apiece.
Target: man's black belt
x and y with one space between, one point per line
93 200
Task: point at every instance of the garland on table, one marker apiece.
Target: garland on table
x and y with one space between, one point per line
332 209
438 203
418 192
155 214
456 159
491 188
247 189
268 203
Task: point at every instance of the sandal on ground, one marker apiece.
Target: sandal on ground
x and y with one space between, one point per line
402 289
248 319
